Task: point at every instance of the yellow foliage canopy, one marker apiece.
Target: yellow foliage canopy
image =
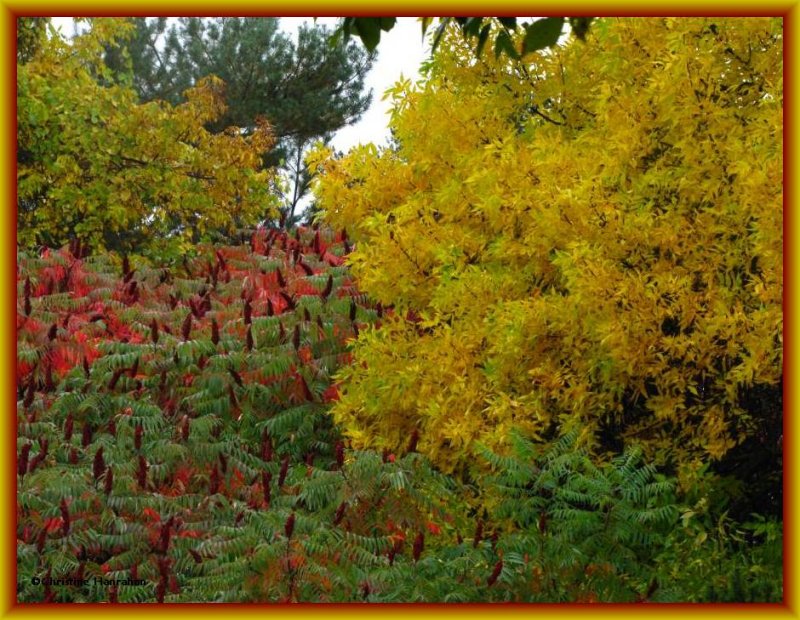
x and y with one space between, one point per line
592 238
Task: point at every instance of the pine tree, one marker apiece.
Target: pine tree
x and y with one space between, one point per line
306 90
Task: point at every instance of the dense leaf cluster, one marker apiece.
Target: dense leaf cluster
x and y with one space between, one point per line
94 163
576 241
159 407
306 89
172 427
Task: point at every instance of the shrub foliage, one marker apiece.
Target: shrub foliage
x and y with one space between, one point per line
161 410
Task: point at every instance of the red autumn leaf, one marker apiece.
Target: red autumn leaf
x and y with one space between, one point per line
151 514
331 394
332 259
182 475
305 354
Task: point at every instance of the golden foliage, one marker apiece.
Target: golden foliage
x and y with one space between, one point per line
591 239
96 164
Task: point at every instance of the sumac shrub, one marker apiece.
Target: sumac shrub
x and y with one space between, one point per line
170 420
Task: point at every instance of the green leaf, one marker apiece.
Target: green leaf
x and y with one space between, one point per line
369 29
439 32
580 26
387 23
347 25
508 22
503 43
337 36
542 34
425 22
482 38
472 26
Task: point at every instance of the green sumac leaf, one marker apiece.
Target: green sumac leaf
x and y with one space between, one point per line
336 39
508 22
542 34
472 25
425 22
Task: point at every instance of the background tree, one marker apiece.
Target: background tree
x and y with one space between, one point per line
96 164
307 90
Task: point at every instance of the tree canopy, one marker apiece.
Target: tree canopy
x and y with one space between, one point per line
96 164
579 241
307 89
30 35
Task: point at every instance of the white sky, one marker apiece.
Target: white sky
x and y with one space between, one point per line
400 53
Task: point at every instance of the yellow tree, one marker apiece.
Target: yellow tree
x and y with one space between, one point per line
96 165
589 238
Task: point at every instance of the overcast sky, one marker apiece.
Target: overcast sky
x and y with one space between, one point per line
400 53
